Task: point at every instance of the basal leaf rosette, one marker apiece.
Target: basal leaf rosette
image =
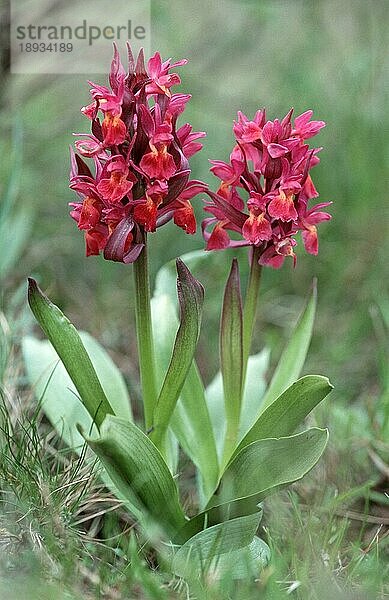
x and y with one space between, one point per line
140 177
265 190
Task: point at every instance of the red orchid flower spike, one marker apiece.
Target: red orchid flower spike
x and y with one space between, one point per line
140 179
269 167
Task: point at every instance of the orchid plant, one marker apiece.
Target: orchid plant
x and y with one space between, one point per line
240 436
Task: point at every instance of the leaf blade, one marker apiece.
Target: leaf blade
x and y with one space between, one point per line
294 354
58 396
191 412
255 386
139 471
68 345
191 297
267 465
242 488
231 355
202 553
281 418
231 343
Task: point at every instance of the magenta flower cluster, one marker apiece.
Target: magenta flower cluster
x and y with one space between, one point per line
263 198
141 171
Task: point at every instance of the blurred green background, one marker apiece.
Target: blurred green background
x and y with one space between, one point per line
326 55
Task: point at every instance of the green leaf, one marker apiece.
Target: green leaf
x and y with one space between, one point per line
254 389
231 344
231 355
294 354
259 470
138 470
164 328
218 549
215 401
289 410
190 415
68 345
191 297
242 563
265 466
57 393
59 400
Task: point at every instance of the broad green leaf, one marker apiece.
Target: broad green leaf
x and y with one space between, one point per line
59 400
289 410
163 337
190 296
58 396
192 397
294 354
172 454
265 466
139 471
190 417
242 563
259 470
209 518
254 389
68 345
217 412
231 355
213 550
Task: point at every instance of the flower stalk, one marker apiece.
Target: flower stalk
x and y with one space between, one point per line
250 309
144 333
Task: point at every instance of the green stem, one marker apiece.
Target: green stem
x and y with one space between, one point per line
144 333
249 310
230 442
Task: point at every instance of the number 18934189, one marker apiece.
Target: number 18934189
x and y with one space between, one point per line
43 47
